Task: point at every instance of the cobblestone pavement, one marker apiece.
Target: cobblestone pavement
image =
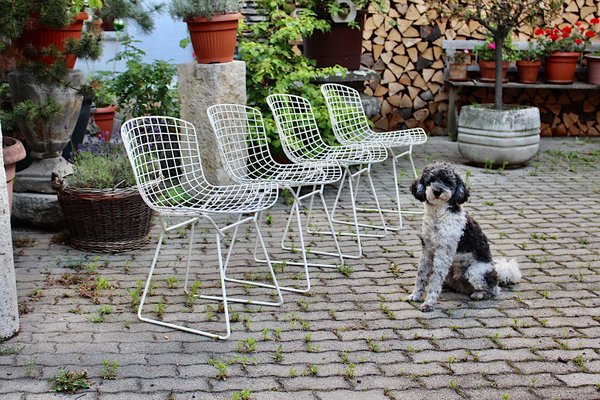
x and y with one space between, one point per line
352 336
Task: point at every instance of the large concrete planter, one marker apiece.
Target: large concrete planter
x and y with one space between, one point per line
507 137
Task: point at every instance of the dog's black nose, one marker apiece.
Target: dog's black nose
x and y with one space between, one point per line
437 192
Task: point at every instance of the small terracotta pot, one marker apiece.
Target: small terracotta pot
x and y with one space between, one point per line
487 71
528 70
104 117
593 69
457 72
214 39
560 67
12 152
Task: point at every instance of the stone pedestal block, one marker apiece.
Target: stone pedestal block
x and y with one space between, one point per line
37 177
201 86
37 209
9 308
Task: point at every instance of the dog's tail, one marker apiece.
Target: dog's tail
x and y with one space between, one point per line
508 271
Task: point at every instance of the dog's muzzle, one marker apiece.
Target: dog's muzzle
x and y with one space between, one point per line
439 191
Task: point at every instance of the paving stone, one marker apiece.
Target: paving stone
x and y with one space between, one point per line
524 344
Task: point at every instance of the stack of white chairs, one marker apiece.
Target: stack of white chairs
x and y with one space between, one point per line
351 126
244 150
302 143
165 157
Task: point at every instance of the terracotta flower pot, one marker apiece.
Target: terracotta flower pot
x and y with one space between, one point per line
12 152
487 71
457 72
40 36
214 39
560 67
593 69
104 117
528 70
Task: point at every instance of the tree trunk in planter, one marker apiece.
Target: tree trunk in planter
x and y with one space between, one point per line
508 137
342 45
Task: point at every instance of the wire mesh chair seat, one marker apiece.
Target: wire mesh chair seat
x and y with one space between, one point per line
302 142
165 157
350 125
242 142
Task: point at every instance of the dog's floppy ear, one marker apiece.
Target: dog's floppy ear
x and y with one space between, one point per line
461 193
418 189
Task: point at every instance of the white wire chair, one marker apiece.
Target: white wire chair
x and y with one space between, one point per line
302 142
243 145
165 157
350 125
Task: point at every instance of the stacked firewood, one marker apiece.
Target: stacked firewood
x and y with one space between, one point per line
405 47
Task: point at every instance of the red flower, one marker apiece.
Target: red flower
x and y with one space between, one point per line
539 31
554 37
578 23
566 30
595 20
578 41
565 35
548 31
589 34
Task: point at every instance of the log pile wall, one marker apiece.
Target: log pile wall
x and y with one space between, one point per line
405 47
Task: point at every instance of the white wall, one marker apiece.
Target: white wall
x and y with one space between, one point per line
161 44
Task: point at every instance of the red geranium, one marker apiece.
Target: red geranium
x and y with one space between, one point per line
566 38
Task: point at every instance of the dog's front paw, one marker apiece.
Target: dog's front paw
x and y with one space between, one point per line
415 297
426 307
481 295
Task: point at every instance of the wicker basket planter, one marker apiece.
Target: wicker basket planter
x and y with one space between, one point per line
107 220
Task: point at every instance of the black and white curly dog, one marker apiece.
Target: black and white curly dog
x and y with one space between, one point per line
456 252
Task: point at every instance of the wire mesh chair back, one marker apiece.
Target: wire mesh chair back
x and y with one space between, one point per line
165 158
298 130
348 117
242 139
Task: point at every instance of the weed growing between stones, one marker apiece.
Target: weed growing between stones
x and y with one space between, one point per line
69 381
242 395
109 369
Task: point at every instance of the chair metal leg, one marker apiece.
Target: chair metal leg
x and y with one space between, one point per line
224 299
398 210
175 326
275 284
298 201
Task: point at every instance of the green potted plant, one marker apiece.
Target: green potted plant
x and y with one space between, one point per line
340 43
102 207
529 64
105 101
494 133
486 56
141 13
142 88
273 64
212 25
458 61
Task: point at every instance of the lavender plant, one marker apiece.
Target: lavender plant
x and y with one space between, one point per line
101 165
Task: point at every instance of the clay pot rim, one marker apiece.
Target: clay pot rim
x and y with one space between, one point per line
13 151
215 18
